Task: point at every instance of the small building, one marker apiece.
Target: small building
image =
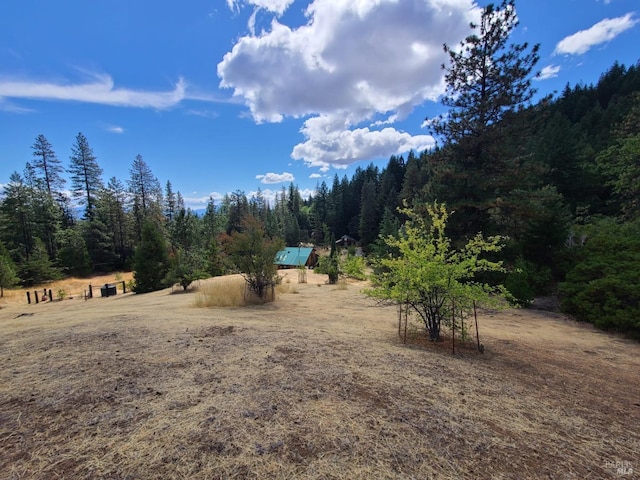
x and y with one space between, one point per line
346 241
294 257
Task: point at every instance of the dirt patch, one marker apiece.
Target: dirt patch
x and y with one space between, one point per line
316 385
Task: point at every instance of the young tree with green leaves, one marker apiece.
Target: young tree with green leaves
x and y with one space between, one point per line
185 267
253 254
433 279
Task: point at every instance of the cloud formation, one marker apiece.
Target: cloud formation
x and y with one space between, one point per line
550 71
602 32
350 63
115 129
99 89
271 178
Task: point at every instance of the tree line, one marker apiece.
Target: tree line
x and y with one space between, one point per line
556 178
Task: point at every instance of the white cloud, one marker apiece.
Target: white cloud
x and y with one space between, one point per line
6 106
203 113
354 61
328 145
275 6
99 89
270 178
202 201
315 175
603 31
115 129
550 71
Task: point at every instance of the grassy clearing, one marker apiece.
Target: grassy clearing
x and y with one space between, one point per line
312 386
70 288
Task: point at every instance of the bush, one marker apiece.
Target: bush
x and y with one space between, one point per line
526 280
603 286
354 267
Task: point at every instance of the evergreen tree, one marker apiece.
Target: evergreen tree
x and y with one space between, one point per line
488 81
46 160
146 193
73 256
8 277
17 225
86 175
38 268
369 217
169 202
113 200
150 262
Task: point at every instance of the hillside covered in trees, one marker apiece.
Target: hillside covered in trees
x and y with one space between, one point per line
558 178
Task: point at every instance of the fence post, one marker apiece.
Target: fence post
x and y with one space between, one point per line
28 298
35 294
124 287
50 297
90 291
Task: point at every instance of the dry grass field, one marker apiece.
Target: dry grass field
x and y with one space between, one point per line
313 386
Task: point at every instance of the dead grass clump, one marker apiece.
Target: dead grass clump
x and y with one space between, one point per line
341 285
286 287
226 292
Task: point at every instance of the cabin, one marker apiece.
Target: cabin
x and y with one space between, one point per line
294 257
346 241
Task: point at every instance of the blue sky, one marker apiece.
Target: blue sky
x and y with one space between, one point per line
221 95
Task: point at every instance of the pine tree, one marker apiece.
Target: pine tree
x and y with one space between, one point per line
146 193
150 262
8 277
86 175
48 163
488 81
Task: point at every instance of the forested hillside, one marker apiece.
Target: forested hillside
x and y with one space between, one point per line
559 178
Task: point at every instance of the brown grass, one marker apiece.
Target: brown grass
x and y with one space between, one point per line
73 287
314 385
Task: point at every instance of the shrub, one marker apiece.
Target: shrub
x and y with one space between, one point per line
354 267
603 286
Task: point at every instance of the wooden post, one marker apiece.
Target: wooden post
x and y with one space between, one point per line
124 287
406 320
90 291
28 298
50 297
35 294
475 316
453 328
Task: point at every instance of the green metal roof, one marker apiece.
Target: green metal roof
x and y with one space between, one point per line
293 256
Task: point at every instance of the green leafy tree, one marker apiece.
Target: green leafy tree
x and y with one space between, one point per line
185 267
432 278
150 262
253 254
